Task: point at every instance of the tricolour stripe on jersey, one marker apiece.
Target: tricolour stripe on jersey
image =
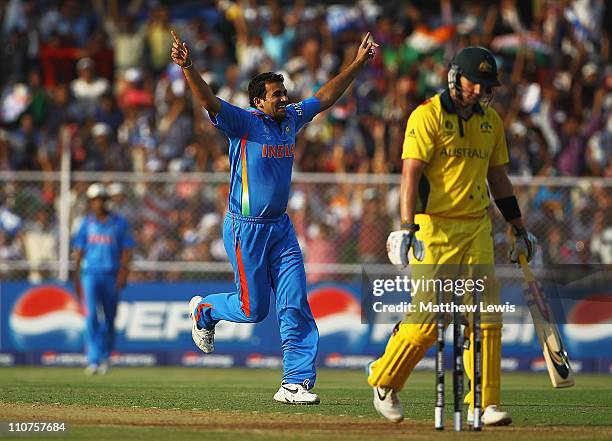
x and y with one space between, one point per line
201 306
246 211
244 288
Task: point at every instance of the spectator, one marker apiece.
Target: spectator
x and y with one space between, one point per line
121 203
103 153
108 112
601 241
5 154
40 244
14 58
373 227
158 38
321 250
556 102
128 39
88 88
39 98
25 143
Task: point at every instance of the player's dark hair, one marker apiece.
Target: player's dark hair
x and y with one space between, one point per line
257 86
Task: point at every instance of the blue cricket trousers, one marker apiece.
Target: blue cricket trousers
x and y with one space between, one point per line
266 257
100 292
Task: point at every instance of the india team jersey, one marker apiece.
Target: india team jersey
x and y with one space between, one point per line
458 155
261 154
102 243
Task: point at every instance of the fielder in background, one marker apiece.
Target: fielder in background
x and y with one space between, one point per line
454 144
102 249
259 237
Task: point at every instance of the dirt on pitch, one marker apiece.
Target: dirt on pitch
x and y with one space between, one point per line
278 424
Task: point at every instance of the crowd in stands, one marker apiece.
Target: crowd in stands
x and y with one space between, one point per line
95 77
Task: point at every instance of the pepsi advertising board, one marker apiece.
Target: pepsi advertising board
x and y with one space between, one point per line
44 324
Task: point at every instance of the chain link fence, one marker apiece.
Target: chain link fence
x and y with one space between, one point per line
342 221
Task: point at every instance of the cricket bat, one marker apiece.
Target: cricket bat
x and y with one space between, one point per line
557 361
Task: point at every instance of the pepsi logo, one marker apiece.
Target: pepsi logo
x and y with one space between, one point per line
47 318
590 319
336 310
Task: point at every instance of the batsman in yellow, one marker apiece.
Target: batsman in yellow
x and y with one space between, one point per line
454 145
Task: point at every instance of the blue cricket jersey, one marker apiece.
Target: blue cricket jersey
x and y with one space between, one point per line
102 243
261 155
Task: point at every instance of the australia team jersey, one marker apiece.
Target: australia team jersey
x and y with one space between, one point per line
458 154
102 243
261 155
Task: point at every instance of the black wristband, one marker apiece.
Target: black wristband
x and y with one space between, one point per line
509 208
410 226
519 232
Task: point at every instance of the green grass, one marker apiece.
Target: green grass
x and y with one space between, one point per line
181 403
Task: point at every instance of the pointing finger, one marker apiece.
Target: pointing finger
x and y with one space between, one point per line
175 36
365 39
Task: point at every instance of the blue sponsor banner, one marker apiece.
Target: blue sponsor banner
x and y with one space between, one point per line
44 324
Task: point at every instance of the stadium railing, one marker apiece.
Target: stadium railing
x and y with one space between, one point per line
341 220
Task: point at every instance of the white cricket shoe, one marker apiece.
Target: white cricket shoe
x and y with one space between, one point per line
388 404
386 401
492 416
103 368
295 394
91 369
203 338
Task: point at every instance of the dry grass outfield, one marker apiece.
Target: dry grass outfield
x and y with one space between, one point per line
155 404
91 423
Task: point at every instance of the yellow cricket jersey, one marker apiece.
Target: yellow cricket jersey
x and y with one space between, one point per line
458 154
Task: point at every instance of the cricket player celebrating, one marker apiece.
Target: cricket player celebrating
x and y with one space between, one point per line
103 248
259 237
454 144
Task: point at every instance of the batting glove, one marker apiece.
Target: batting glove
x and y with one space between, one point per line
524 243
399 244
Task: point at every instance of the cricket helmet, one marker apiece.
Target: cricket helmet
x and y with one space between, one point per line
477 64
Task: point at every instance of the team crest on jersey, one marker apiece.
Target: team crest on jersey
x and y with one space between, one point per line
486 127
449 127
287 130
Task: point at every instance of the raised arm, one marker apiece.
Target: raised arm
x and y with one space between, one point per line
333 89
199 87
